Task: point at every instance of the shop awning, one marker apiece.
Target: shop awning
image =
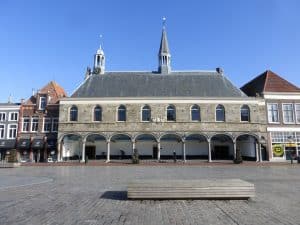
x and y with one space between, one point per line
37 144
51 143
7 144
24 143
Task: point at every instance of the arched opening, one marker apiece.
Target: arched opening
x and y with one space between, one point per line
71 147
98 113
195 113
220 113
146 144
73 113
170 144
245 113
171 113
95 147
146 113
248 145
121 146
121 113
196 147
222 147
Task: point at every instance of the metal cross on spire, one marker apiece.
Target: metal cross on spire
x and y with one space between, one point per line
164 22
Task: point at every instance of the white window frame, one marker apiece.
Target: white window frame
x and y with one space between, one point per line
220 121
40 103
278 117
9 116
27 117
141 114
296 118
175 110
34 117
8 130
4 119
117 114
44 119
191 116
56 118
293 113
3 131
249 114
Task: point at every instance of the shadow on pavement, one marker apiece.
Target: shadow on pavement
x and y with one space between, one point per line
114 195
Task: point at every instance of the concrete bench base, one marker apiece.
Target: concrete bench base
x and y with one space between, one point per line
191 189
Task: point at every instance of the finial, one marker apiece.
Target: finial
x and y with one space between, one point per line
164 22
101 41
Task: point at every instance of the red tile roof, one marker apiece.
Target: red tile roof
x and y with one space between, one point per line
268 82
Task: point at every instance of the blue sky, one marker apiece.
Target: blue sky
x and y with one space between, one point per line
56 40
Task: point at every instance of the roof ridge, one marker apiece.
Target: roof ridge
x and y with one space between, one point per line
266 79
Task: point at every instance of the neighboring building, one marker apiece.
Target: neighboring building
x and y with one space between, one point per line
194 114
38 124
282 113
9 117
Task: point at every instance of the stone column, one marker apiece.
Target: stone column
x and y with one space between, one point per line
259 152
133 146
59 153
209 151
183 151
158 151
108 152
83 152
234 149
256 151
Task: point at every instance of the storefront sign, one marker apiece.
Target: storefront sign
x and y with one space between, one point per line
278 150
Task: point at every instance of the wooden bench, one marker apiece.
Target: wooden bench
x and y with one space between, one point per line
191 189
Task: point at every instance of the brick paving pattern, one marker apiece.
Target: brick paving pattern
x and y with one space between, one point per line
90 195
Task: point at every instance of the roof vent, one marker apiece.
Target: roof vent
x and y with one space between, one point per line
219 70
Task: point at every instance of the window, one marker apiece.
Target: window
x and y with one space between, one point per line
273 113
26 124
220 113
73 113
43 103
12 131
171 113
2 131
97 113
34 124
2 116
13 116
195 113
47 125
245 113
146 113
288 113
122 113
297 112
54 124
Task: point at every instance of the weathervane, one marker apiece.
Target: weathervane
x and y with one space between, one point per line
164 21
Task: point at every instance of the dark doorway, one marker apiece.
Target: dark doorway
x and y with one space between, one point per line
155 152
90 152
221 152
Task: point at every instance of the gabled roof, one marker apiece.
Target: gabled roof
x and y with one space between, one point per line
54 90
268 81
153 84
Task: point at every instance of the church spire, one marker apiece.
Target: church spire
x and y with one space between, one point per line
99 62
164 56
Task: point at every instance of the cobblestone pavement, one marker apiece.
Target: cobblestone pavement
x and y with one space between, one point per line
90 195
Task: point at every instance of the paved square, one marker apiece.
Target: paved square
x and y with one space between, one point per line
96 195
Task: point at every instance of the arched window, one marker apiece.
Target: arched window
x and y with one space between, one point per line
195 113
122 113
171 113
146 113
245 113
97 113
73 113
220 113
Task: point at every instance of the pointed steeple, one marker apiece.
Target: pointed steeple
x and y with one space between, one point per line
99 62
164 56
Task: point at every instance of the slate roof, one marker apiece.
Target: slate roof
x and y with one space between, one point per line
268 81
153 84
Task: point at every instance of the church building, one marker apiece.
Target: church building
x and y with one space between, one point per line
161 113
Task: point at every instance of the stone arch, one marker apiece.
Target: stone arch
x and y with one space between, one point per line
171 143
95 146
196 146
222 146
247 143
70 146
146 144
120 146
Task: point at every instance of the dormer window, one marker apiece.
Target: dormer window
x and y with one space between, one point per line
43 103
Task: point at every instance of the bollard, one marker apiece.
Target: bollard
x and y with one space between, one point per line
174 156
